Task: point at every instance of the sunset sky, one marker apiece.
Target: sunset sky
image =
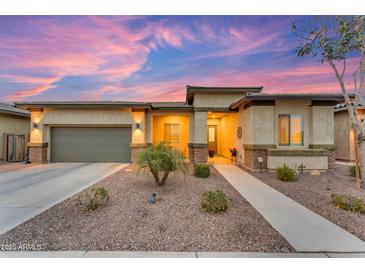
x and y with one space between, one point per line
150 58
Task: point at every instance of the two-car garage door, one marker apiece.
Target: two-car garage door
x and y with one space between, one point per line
92 144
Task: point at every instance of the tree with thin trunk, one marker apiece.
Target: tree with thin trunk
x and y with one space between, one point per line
335 40
160 160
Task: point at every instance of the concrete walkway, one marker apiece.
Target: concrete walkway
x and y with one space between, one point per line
27 192
305 230
160 254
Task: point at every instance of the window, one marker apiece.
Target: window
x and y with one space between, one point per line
171 133
290 130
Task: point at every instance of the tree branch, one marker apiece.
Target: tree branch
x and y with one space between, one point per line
357 91
353 118
344 68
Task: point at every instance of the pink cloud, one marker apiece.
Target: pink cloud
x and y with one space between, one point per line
21 94
108 49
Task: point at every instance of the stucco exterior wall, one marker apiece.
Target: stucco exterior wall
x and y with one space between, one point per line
343 135
216 100
86 117
97 117
310 162
158 130
200 127
263 125
245 121
301 109
260 132
322 125
12 124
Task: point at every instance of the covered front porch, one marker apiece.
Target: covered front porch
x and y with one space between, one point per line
221 135
195 134
172 129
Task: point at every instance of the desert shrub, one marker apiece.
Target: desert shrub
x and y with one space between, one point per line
214 202
348 202
94 198
161 158
352 170
286 174
202 170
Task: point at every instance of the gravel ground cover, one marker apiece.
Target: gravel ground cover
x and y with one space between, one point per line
314 193
174 223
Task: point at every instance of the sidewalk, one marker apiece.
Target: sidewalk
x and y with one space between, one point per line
305 230
160 254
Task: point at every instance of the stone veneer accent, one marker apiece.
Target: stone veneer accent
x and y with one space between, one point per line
38 152
134 150
250 158
198 153
331 159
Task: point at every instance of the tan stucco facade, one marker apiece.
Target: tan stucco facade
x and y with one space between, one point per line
92 117
215 101
344 135
159 122
12 124
310 162
260 132
256 121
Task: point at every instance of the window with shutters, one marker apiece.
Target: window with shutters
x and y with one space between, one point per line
171 133
290 130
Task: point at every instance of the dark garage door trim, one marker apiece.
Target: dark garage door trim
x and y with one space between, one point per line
90 143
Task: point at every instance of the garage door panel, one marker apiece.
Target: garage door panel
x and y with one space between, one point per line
90 144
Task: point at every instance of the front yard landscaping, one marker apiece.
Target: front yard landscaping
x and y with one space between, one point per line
314 192
175 223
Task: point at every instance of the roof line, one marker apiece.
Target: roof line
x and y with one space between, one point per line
336 97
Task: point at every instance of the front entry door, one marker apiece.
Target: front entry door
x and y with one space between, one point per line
212 139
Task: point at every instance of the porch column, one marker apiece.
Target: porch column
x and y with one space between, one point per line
148 127
198 149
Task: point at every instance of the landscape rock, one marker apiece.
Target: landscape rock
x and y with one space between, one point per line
315 172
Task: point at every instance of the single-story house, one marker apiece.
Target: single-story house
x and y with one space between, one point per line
14 132
277 129
344 135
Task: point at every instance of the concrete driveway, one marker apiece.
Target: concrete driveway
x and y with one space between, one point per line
26 193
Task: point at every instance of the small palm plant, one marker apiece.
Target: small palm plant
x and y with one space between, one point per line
161 158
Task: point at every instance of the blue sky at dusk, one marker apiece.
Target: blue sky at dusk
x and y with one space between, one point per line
150 58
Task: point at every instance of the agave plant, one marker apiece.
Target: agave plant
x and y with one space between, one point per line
161 159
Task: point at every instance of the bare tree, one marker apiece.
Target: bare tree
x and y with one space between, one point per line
333 39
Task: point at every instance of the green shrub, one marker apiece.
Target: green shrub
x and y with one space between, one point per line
286 174
161 158
94 198
202 170
352 170
348 202
214 202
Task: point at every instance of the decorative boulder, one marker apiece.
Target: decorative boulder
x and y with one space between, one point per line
315 172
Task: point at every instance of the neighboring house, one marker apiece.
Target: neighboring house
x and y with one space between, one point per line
344 136
14 131
290 129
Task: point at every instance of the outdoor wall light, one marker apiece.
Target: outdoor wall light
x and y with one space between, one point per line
35 125
260 160
138 126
